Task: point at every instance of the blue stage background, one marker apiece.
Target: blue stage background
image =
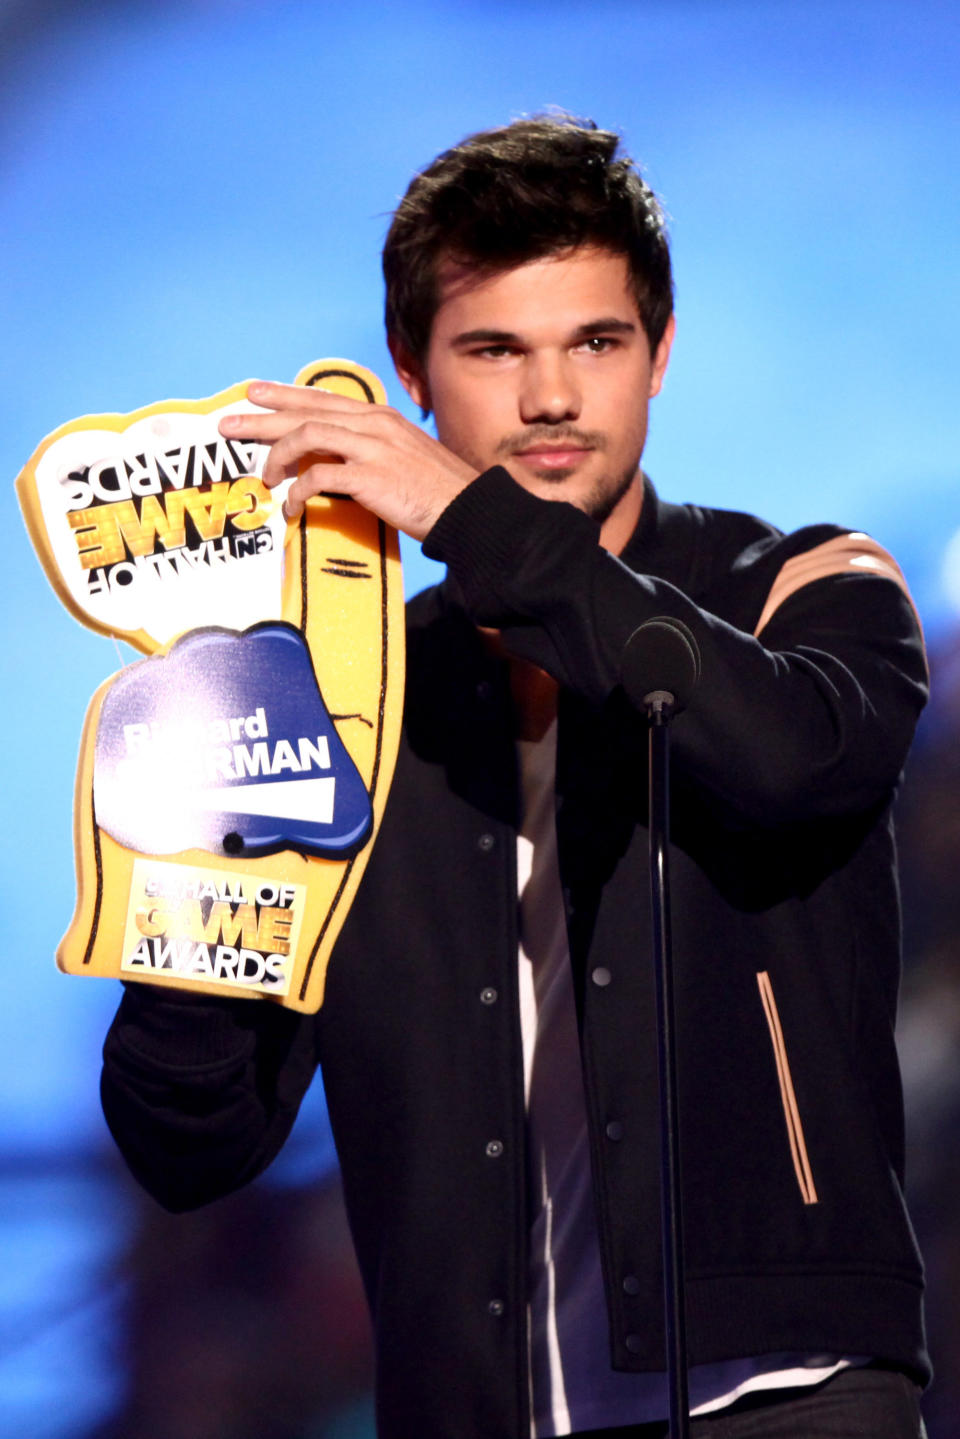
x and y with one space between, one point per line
196 193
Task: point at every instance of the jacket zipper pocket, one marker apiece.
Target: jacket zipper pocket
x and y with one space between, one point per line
791 1114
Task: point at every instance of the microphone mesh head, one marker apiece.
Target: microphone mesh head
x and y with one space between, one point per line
660 655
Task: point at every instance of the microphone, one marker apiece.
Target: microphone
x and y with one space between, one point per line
660 665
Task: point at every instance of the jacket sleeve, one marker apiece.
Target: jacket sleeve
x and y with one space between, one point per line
199 1092
812 718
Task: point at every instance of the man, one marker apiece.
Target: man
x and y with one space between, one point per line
490 1064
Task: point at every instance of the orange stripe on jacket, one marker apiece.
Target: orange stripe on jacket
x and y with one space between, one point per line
845 554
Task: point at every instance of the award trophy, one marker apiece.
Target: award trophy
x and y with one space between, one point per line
230 785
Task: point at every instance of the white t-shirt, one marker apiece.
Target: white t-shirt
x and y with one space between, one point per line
572 1385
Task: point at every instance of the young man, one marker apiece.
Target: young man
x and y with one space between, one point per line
487 1037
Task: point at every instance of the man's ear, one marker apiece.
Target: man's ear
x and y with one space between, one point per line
412 378
662 356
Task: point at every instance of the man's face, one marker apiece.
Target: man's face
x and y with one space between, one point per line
545 369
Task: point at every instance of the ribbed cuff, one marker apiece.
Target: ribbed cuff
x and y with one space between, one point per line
496 531
179 1030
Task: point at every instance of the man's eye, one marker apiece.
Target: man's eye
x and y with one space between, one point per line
494 352
597 344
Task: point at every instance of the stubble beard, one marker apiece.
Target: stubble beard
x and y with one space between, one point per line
602 498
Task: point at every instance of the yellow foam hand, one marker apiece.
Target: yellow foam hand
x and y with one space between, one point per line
229 788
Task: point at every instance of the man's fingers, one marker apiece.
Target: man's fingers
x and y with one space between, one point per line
342 415
317 440
388 465
312 481
267 427
274 396
293 436
270 425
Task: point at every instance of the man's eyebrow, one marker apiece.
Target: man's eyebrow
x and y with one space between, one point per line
486 337
606 325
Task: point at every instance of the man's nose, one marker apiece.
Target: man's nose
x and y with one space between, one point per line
550 392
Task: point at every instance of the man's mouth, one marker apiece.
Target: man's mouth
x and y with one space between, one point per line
553 457
555 450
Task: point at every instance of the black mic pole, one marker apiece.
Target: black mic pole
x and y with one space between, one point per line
660 705
666 650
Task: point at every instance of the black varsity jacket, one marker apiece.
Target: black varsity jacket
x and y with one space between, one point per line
786 955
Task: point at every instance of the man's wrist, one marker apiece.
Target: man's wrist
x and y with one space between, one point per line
489 522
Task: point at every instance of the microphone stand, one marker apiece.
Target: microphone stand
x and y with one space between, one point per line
660 705
665 647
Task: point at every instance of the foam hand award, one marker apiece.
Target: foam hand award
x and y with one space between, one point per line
229 786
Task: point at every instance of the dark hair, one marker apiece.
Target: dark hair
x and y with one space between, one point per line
503 197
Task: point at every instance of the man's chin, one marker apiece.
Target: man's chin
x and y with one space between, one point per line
554 476
598 498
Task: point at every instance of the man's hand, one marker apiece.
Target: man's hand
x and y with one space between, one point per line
386 464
